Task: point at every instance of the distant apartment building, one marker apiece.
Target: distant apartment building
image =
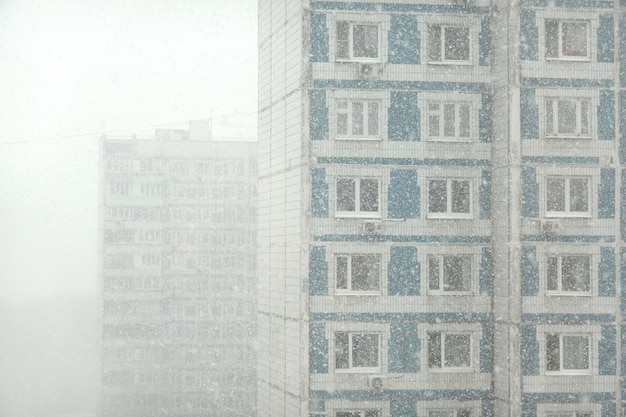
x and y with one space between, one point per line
442 208
178 239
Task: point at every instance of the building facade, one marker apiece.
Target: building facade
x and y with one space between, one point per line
442 208
178 246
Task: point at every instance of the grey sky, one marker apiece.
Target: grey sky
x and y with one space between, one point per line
72 69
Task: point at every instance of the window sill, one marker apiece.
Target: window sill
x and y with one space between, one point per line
449 217
568 294
358 371
358 60
345 293
450 370
559 215
459 63
356 216
450 140
567 137
451 293
358 139
568 59
582 372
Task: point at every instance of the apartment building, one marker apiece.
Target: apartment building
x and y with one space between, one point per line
178 239
441 208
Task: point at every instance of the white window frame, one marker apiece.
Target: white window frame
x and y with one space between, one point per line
441 113
357 369
351 53
442 59
559 278
551 107
357 212
567 212
442 338
449 214
349 274
440 290
561 371
560 56
350 116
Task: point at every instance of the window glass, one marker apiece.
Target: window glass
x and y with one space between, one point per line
365 41
460 197
369 195
358 272
437 196
356 350
556 194
345 194
566 39
456 45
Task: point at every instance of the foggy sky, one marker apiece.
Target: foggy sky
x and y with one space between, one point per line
73 69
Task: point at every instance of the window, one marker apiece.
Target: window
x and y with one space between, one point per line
448 198
570 414
567 117
359 413
358 196
449 120
358 119
567 196
448 350
567 353
448 44
358 272
569 273
451 274
567 39
357 351
461 412
357 41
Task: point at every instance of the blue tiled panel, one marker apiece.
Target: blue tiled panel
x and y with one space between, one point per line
623 359
622 51
486 272
402 408
425 317
589 160
530 192
622 278
529 410
606 43
487 407
606 272
568 238
414 238
404 117
319 193
606 115
608 348
403 271
530 350
404 40
529 114
529 47
608 410
318 271
404 348
568 397
486 348
318 349
402 161
398 7
485 126
421 394
404 85
567 82
558 318
403 195
319 38
606 194
484 43
574 4
318 116
622 197
622 120
530 271
317 405
484 195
